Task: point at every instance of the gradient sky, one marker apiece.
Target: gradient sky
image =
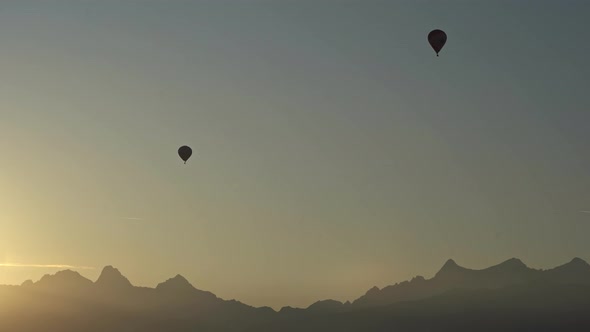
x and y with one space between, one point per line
333 151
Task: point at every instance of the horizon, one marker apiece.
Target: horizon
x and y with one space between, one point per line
277 309
332 150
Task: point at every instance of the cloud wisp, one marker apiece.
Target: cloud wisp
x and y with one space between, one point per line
48 266
584 211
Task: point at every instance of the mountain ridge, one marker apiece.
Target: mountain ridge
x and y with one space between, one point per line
453 276
450 276
508 296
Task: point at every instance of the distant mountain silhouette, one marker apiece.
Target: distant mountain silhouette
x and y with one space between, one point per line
179 286
65 281
111 278
27 283
574 272
452 276
328 306
506 297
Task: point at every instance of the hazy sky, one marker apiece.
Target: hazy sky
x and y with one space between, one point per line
333 151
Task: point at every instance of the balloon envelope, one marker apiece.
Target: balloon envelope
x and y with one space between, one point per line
437 39
185 152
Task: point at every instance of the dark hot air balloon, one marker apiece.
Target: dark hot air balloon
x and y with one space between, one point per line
185 152
437 39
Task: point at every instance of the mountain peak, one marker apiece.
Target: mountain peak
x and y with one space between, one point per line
450 263
576 271
64 279
64 274
372 291
179 278
27 283
514 263
111 277
418 279
578 261
325 305
576 264
449 266
177 283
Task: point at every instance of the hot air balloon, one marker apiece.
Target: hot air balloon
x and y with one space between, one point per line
437 39
185 152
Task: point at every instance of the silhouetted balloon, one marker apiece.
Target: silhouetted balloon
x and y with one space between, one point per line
437 39
185 152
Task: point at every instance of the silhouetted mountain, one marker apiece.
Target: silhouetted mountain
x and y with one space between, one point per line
450 266
180 289
515 308
576 271
452 276
27 283
66 280
326 306
505 297
111 278
176 284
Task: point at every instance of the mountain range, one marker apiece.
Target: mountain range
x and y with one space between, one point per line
509 296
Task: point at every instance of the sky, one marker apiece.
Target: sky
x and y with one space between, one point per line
332 150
